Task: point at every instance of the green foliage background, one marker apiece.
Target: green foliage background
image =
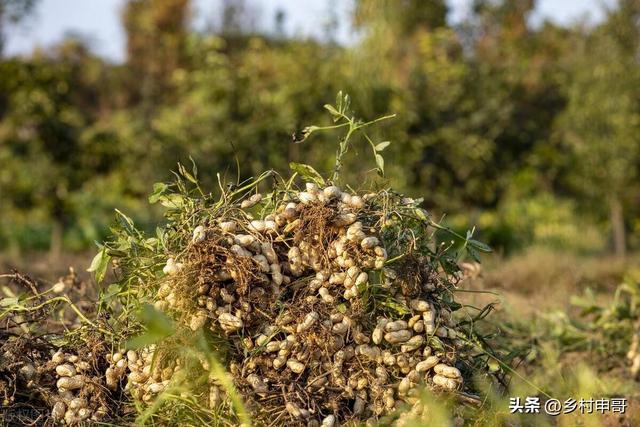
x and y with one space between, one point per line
529 131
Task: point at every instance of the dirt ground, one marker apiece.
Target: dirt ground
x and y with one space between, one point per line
542 280
47 268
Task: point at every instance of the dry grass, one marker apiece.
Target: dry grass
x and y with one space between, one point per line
540 279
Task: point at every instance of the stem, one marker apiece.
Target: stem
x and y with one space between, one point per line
447 229
379 119
18 308
342 150
220 374
341 125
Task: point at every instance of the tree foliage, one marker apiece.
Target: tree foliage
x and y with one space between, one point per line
491 113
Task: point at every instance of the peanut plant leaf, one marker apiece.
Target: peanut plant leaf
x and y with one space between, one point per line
482 247
380 164
335 113
99 264
183 171
9 301
307 172
172 201
421 214
159 189
158 326
381 146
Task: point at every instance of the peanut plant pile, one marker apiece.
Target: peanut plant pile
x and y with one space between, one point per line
320 307
300 296
325 305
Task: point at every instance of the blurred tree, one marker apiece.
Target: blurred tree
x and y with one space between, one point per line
405 16
473 111
47 154
279 21
262 84
234 18
601 125
491 114
11 13
157 32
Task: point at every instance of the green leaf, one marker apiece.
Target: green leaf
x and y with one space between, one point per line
342 102
307 172
6 302
380 164
186 174
473 253
99 264
158 190
125 221
382 146
449 265
172 201
421 214
332 110
116 253
194 167
435 343
111 291
480 246
158 326
151 243
395 306
493 365
345 103
161 236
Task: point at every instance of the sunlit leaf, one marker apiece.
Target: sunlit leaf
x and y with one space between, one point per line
395 306
6 302
99 264
345 103
421 214
380 164
186 174
436 344
307 172
172 201
332 110
158 190
381 146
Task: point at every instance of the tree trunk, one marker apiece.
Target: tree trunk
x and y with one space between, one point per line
616 217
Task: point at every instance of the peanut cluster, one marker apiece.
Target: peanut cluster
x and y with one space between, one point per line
328 338
76 386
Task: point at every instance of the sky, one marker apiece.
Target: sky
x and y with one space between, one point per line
98 21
